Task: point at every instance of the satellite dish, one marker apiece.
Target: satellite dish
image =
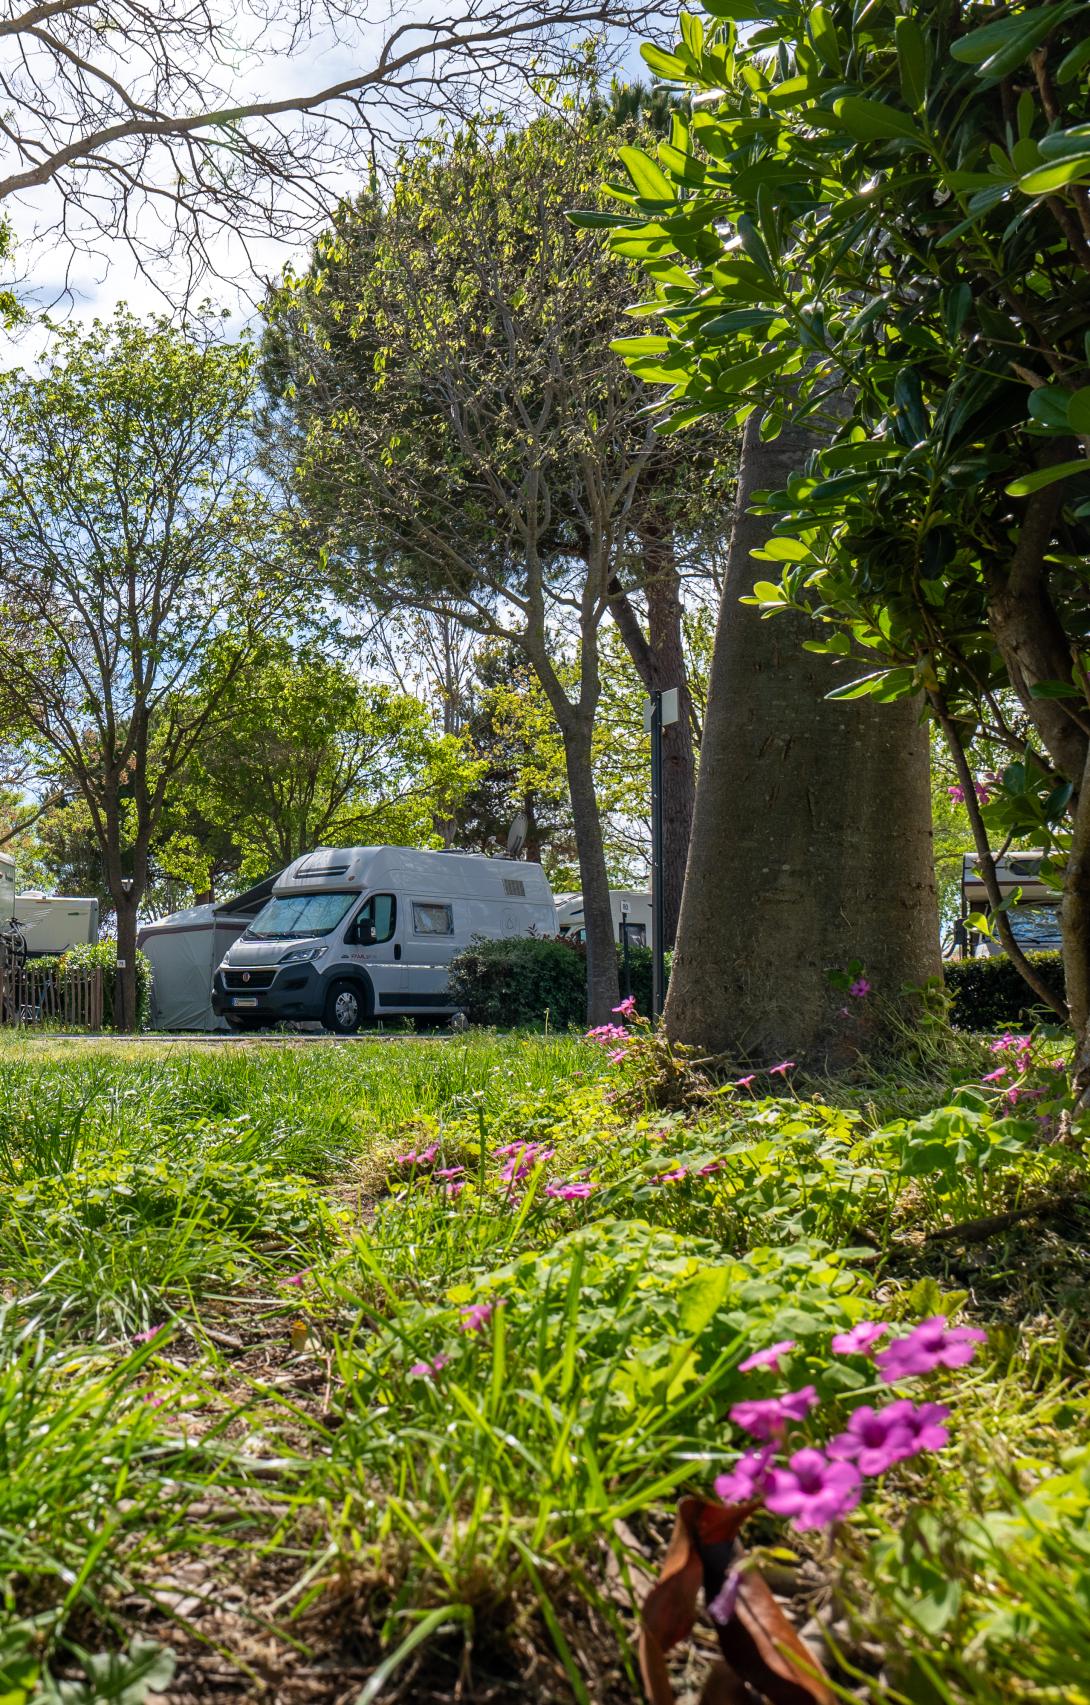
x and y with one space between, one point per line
516 835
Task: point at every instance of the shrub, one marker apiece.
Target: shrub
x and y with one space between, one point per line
988 993
103 954
516 981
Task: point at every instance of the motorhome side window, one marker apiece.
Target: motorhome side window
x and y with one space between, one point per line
375 921
430 918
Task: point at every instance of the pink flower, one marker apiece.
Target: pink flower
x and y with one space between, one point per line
455 1187
448 1171
744 1082
813 1491
478 1315
874 1439
523 1162
616 1055
673 1177
769 1358
152 1401
1011 1044
146 1337
766 1417
996 1076
428 1370
782 1069
570 1192
859 1340
929 1346
712 1166
922 1422
608 1033
747 1479
627 1006
424 1158
860 988
957 793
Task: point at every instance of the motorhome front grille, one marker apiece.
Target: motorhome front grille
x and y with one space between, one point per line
248 982
515 886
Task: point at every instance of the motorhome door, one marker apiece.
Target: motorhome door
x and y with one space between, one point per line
374 939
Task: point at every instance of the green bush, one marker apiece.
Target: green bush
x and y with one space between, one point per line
104 954
988 993
516 981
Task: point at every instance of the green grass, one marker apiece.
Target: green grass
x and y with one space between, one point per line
277 1447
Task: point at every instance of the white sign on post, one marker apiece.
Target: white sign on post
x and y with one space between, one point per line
669 713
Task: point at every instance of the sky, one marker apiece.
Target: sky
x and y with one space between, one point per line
82 286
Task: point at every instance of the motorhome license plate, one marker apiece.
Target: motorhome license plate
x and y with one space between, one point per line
244 1000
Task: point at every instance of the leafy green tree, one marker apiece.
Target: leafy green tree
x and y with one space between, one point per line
462 431
133 543
305 754
892 208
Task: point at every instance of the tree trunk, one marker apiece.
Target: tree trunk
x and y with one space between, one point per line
811 839
603 987
663 588
660 663
125 1013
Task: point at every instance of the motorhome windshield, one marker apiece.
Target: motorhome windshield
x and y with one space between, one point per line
299 914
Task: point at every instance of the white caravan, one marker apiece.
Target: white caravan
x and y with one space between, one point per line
369 932
52 923
48 923
631 910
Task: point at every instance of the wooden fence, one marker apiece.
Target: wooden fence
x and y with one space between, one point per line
73 1000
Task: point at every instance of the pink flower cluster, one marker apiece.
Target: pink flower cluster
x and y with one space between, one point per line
423 1158
605 1033
817 1486
781 1070
574 1192
521 1158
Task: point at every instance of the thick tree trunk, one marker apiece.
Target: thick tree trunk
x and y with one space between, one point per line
603 987
811 841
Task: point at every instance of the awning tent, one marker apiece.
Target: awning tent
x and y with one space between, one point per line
185 949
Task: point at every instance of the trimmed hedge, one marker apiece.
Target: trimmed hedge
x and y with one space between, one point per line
517 981
988 994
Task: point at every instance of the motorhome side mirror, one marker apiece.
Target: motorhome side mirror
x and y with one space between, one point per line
366 933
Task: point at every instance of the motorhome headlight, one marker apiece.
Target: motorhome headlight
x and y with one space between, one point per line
302 955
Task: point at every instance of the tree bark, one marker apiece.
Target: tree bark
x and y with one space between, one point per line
811 841
603 986
659 658
125 906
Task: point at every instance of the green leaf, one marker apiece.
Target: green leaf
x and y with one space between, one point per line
874 121
664 64
648 181
911 61
692 33
1048 404
1046 179
956 304
825 39
1074 62
1078 410
1036 481
1054 690
767 592
1000 47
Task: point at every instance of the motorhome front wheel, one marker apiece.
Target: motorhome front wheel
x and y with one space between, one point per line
344 1010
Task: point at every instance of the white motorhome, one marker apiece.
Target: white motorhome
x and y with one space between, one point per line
356 933
1034 916
631 908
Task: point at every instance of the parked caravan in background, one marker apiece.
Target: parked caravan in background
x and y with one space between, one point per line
185 950
34 924
1034 917
357 933
52 923
631 908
